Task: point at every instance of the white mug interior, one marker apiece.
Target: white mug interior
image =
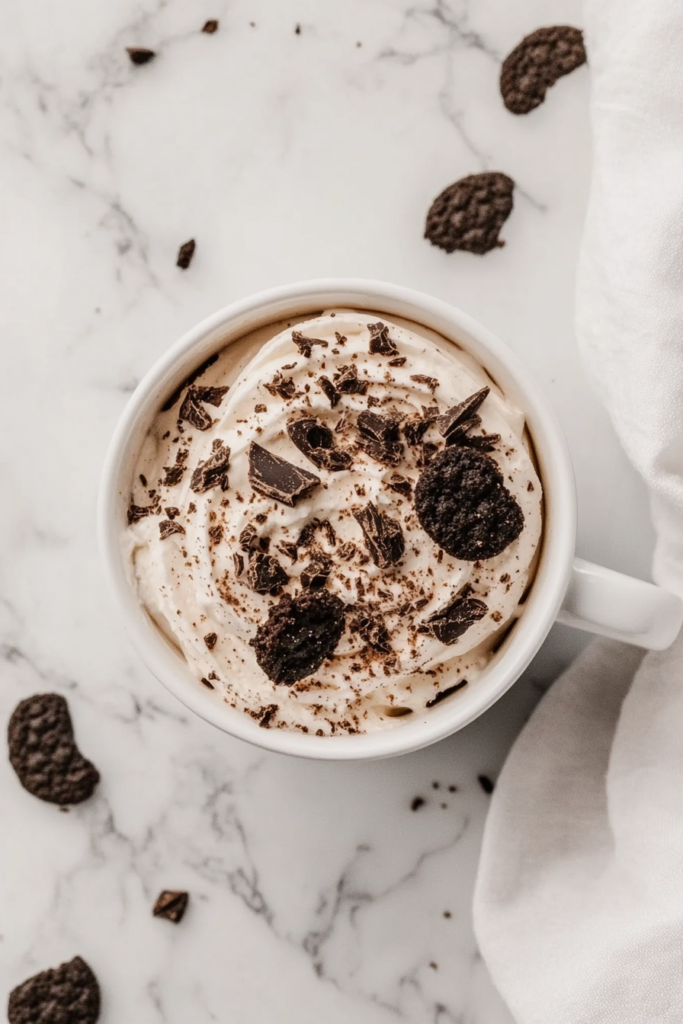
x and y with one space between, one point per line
554 567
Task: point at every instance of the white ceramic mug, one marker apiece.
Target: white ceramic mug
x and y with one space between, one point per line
565 588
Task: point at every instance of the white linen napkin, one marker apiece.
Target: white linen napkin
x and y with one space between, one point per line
579 900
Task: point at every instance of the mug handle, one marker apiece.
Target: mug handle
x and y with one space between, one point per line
610 604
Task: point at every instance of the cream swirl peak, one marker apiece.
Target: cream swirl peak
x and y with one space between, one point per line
337 533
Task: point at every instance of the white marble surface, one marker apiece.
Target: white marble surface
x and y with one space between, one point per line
317 894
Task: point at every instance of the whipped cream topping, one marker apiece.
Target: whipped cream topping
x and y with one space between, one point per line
196 524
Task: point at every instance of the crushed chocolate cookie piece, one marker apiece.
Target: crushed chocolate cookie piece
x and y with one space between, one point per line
191 409
380 342
265 575
442 694
213 472
172 512
449 623
469 214
211 639
288 549
138 512
316 441
298 635
399 361
238 562
462 503
283 387
276 478
316 573
486 784
139 55
382 534
398 483
168 527
69 993
422 378
329 390
463 411
372 629
210 26
185 254
43 752
266 715
537 63
171 905
305 345
202 368
347 551
216 534
346 381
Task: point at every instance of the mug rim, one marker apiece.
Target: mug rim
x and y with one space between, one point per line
558 544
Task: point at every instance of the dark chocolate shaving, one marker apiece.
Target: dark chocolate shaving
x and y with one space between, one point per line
174 474
481 442
421 378
185 254
449 623
170 402
216 534
316 573
316 441
380 342
139 55
168 527
399 361
399 484
347 381
442 694
463 411
210 26
309 531
211 639
276 478
289 549
172 512
171 905
249 540
283 387
383 536
138 512
214 471
191 409
329 390
373 631
238 562
305 345
265 575
379 437
266 714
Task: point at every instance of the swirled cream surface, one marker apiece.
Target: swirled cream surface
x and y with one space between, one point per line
205 537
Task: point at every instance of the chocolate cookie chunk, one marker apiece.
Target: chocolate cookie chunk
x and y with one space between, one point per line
299 633
537 63
43 752
68 994
469 214
462 503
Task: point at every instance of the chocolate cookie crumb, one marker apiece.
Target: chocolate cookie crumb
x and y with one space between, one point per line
442 694
43 752
380 342
276 478
168 527
211 639
316 441
139 55
185 254
171 905
305 345
210 26
486 784
213 472
69 993
265 575
462 503
535 64
469 214
383 536
298 635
